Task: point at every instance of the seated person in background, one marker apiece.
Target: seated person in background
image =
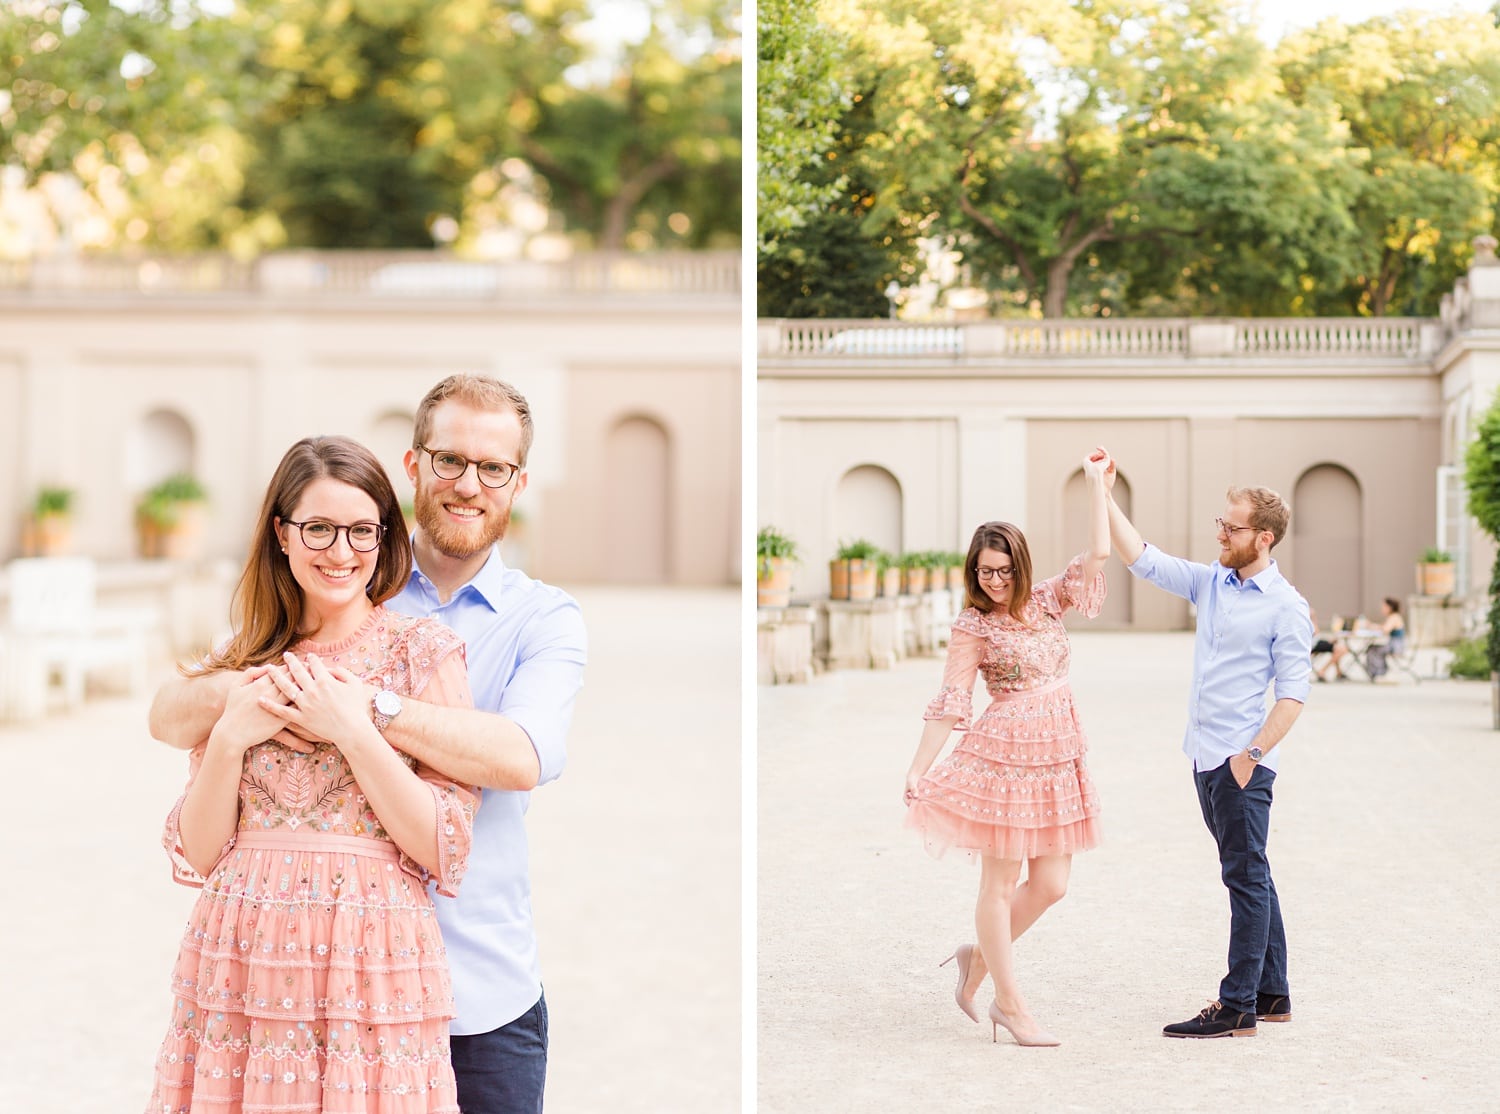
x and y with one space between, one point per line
1323 645
1394 625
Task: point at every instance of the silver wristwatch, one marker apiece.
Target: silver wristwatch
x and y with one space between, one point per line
1255 753
385 707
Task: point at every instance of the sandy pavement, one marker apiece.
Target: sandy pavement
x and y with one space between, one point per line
635 861
1386 857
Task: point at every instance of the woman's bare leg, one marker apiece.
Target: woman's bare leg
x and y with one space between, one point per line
997 887
1046 883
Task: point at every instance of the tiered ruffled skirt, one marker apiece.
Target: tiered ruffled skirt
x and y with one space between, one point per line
312 977
1015 786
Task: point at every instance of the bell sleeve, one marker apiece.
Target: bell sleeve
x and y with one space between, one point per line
171 837
956 696
440 676
1069 590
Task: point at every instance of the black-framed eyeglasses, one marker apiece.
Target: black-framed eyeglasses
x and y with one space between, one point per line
318 533
1226 528
995 574
451 466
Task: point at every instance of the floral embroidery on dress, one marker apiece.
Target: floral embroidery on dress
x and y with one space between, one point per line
282 788
1015 785
312 964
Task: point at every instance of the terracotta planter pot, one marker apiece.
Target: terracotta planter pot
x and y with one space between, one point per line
956 578
861 579
50 535
914 581
838 580
181 540
773 584
1435 579
890 582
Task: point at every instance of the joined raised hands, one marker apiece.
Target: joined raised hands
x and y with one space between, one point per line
1099 463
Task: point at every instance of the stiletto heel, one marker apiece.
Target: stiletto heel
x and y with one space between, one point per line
964 954
1040 1039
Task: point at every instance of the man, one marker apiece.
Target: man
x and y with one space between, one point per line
525 649
1253 628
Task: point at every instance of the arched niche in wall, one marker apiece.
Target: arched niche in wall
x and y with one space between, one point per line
161 444
1118 610
638 505
1328 541
867 504
388 438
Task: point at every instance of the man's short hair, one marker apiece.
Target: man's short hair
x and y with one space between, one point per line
480 392
1268 510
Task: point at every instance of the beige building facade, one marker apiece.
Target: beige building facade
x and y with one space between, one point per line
911 435
116 373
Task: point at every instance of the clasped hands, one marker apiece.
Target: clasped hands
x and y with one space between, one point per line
296 703
1099 463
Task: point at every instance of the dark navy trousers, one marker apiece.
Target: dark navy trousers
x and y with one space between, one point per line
1240 820
505 1070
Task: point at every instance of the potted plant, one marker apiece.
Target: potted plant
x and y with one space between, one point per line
48 529
851 573
914 572
169 518
774 554
955 565
1435 572
887 573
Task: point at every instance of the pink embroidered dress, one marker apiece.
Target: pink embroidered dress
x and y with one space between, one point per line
1015 786
312 975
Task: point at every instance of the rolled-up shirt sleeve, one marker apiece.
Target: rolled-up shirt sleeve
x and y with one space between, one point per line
1291 653
549 673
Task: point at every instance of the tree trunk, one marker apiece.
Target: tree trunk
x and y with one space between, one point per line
621 207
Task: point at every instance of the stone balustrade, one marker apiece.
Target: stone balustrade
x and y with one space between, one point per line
1414 339
394 274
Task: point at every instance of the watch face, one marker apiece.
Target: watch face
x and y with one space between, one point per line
387 703
1255 754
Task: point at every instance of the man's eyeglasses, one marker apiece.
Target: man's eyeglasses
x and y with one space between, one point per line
363 537
1231 531
995 574
451 466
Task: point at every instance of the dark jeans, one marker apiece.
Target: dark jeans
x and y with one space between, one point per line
504 1071
1240 819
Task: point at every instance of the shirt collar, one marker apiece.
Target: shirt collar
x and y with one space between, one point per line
1261 581
487 583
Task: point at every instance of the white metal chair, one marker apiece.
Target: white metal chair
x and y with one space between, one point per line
56 630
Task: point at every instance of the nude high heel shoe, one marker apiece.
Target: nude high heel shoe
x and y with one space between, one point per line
1040 1039
964 953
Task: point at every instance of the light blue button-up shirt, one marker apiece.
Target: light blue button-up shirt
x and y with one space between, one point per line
525 647
1250 633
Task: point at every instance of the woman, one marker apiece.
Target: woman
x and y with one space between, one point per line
1377 658
312 975
1015 788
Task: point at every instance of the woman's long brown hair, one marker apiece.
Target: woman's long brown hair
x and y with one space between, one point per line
1003 538
267 609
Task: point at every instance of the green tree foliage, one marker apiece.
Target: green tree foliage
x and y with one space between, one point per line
1154 156
837 261
253 123
1482 480
799 101
1420 96
653 152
